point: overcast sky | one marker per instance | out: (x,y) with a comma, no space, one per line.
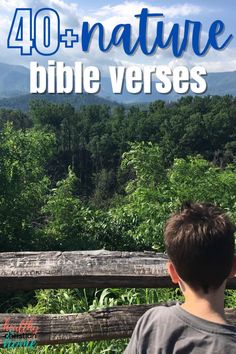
(112,12)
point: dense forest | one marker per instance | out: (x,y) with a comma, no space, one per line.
(108,177)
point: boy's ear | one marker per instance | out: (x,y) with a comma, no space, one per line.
(233,271)
(172,271)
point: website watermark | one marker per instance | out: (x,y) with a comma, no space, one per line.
(22,335)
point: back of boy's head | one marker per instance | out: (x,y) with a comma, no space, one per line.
(199,241)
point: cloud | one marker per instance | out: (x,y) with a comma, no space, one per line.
(72,16)
(220,61)
(134,7)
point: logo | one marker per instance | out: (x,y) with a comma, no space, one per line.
(22,335)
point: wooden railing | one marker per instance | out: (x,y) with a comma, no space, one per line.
(85,269)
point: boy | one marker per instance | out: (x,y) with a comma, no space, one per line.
(199,241)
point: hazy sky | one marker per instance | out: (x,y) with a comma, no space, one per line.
(112,12)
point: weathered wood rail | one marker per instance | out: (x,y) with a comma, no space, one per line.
(84,269)
(110,323)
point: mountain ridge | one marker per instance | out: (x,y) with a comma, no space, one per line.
(15,79)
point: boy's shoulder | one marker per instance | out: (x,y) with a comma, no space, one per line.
(157,321)
(162,310)
(159,312)
(172,328)
(173,315)
(161,317)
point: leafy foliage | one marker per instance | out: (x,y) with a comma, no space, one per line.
(156,192)
(24,185)
(70,224)
(105,177)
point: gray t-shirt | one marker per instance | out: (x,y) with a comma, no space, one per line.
(172,330)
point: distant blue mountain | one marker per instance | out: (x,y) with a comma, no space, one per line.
(14,91)
(77,101)
(218,84)
(14,82)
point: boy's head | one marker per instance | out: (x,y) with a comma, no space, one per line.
(199,241)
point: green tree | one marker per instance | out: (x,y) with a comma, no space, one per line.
(23,186)
(155,192)
(70,224)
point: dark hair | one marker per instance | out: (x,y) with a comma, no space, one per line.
(199,241)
